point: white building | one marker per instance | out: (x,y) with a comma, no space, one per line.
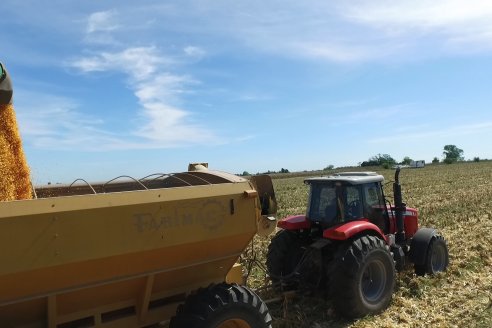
(417,164)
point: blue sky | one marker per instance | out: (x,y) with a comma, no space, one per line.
(106,88)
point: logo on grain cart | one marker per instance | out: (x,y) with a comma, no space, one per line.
(210,215)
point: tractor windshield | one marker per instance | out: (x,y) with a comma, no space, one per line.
(334,202)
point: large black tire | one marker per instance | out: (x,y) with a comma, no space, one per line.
(436,259)
(222,306)
(363,277)
(284,253)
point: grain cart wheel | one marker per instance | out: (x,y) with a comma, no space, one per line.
(363,277)
(284,253)
(437,257)
(222,306)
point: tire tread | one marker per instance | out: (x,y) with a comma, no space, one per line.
(206,304)
(348,262)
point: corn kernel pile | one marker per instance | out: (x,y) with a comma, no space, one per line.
(14,172)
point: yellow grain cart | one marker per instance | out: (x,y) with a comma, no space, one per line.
(128,252)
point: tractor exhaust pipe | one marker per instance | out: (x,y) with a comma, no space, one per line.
(400,208)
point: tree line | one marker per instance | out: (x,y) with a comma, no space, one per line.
(282,170)
(451,154)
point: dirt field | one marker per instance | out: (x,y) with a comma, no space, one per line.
(456,199)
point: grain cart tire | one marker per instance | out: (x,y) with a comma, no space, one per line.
(363,277)
(284,253)
(437,257)
(222,306)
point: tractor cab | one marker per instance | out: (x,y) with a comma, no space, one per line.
(345,197)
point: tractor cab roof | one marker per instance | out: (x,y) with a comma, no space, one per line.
(354,178)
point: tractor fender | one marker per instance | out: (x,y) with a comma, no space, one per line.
(420,243)
(294,222)
(350,229)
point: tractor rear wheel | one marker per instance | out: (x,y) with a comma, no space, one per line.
(222,306)
(437,257)
(363,277)
(284,253)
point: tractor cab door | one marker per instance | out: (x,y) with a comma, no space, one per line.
(334,203)
(354,202)
(337,202)
(374,205)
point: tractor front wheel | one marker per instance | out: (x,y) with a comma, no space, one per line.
(363,277)
(437,257)
(222,306)
(284,253)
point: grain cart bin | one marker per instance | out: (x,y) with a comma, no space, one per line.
(128,252)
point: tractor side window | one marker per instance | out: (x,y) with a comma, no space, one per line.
(328,205)
(374,205)
(323,206)
(354,204)
(372,195)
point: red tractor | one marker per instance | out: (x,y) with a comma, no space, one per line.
(350,242)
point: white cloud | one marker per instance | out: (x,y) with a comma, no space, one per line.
(56,122)
(331,52)
(448,22)
(139,63)
(101,26)
(165,125)
(422,14)
(158,92)
(451,131)
(194,52)
(102,21)
(162,87)
(344,32)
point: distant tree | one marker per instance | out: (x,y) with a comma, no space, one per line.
(476,159)
(384,160)
(329,168)
(406,160)
(245,174)
(386,165)
(435,160)
(284,170)
(452,154)
(369,163)
(448,161)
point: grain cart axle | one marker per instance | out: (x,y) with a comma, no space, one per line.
(351,241)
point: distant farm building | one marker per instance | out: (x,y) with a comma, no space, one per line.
(417,164)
